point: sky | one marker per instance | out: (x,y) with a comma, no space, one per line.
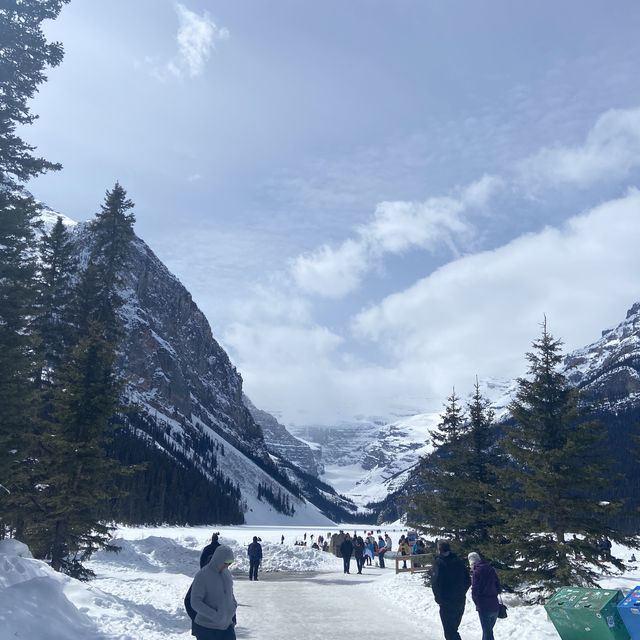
(372,202)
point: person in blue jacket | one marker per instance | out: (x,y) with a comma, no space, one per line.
(255,556)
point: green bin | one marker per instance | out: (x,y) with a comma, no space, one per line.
(578,613)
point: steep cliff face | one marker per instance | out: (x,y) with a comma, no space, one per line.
(188,393)
(172,361)
(282,443)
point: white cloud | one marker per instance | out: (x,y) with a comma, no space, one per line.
(611,150)
(479,314)
(196,39)
(331,272)
(394,228)
(476,315)
(398,226)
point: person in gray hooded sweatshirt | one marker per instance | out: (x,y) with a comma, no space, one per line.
(213,600)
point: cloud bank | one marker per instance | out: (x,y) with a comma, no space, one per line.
(477,314)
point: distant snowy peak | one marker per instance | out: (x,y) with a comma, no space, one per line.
(609,369)
(49,217)
(282,443)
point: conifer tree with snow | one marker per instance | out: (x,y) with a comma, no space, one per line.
(552,505)
(436,511)
(80,476)
(459,476)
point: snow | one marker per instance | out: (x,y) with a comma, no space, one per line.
(301,593)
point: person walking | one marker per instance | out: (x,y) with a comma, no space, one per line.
(358,553)
(450,582)
(212,598)
(346,549)
(485,587)
(382,549)
(255,556)
(209,550)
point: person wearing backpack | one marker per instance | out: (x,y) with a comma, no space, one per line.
(485,587)
(450,582)
(209,550)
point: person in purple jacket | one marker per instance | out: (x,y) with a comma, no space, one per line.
(485,587)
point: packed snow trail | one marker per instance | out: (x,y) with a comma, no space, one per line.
(321,607)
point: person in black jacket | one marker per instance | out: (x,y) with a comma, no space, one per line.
(450,582)
(346,549)
(358,552)
(255,557)
(209,550)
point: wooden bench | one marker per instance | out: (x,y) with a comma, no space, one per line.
(423,561)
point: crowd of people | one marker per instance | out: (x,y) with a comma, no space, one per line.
(211,604)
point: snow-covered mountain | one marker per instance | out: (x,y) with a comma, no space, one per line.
(609,369)
(188,390)
(282,443)
(368,461)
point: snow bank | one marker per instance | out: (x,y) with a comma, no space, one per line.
(155,554)
(33,600)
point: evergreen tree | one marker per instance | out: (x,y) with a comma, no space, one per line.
(79,476)
(438,508)
(553,509)
(459,476)
(18,358)
(25,55)
(479,493)
(451,426)
(53,322)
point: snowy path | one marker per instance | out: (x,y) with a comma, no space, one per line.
(333,606)
(280,605)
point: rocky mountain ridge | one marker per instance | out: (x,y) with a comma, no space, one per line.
(187,393)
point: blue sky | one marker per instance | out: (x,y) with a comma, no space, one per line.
(371,201)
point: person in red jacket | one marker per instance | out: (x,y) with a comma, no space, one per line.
(485,587)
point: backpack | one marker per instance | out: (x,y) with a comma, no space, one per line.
(191,612)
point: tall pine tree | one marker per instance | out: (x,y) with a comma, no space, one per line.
(53,319)
(24,55)
(552,508)
(437,509)
(81,477)
(459,476)
(19,365)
